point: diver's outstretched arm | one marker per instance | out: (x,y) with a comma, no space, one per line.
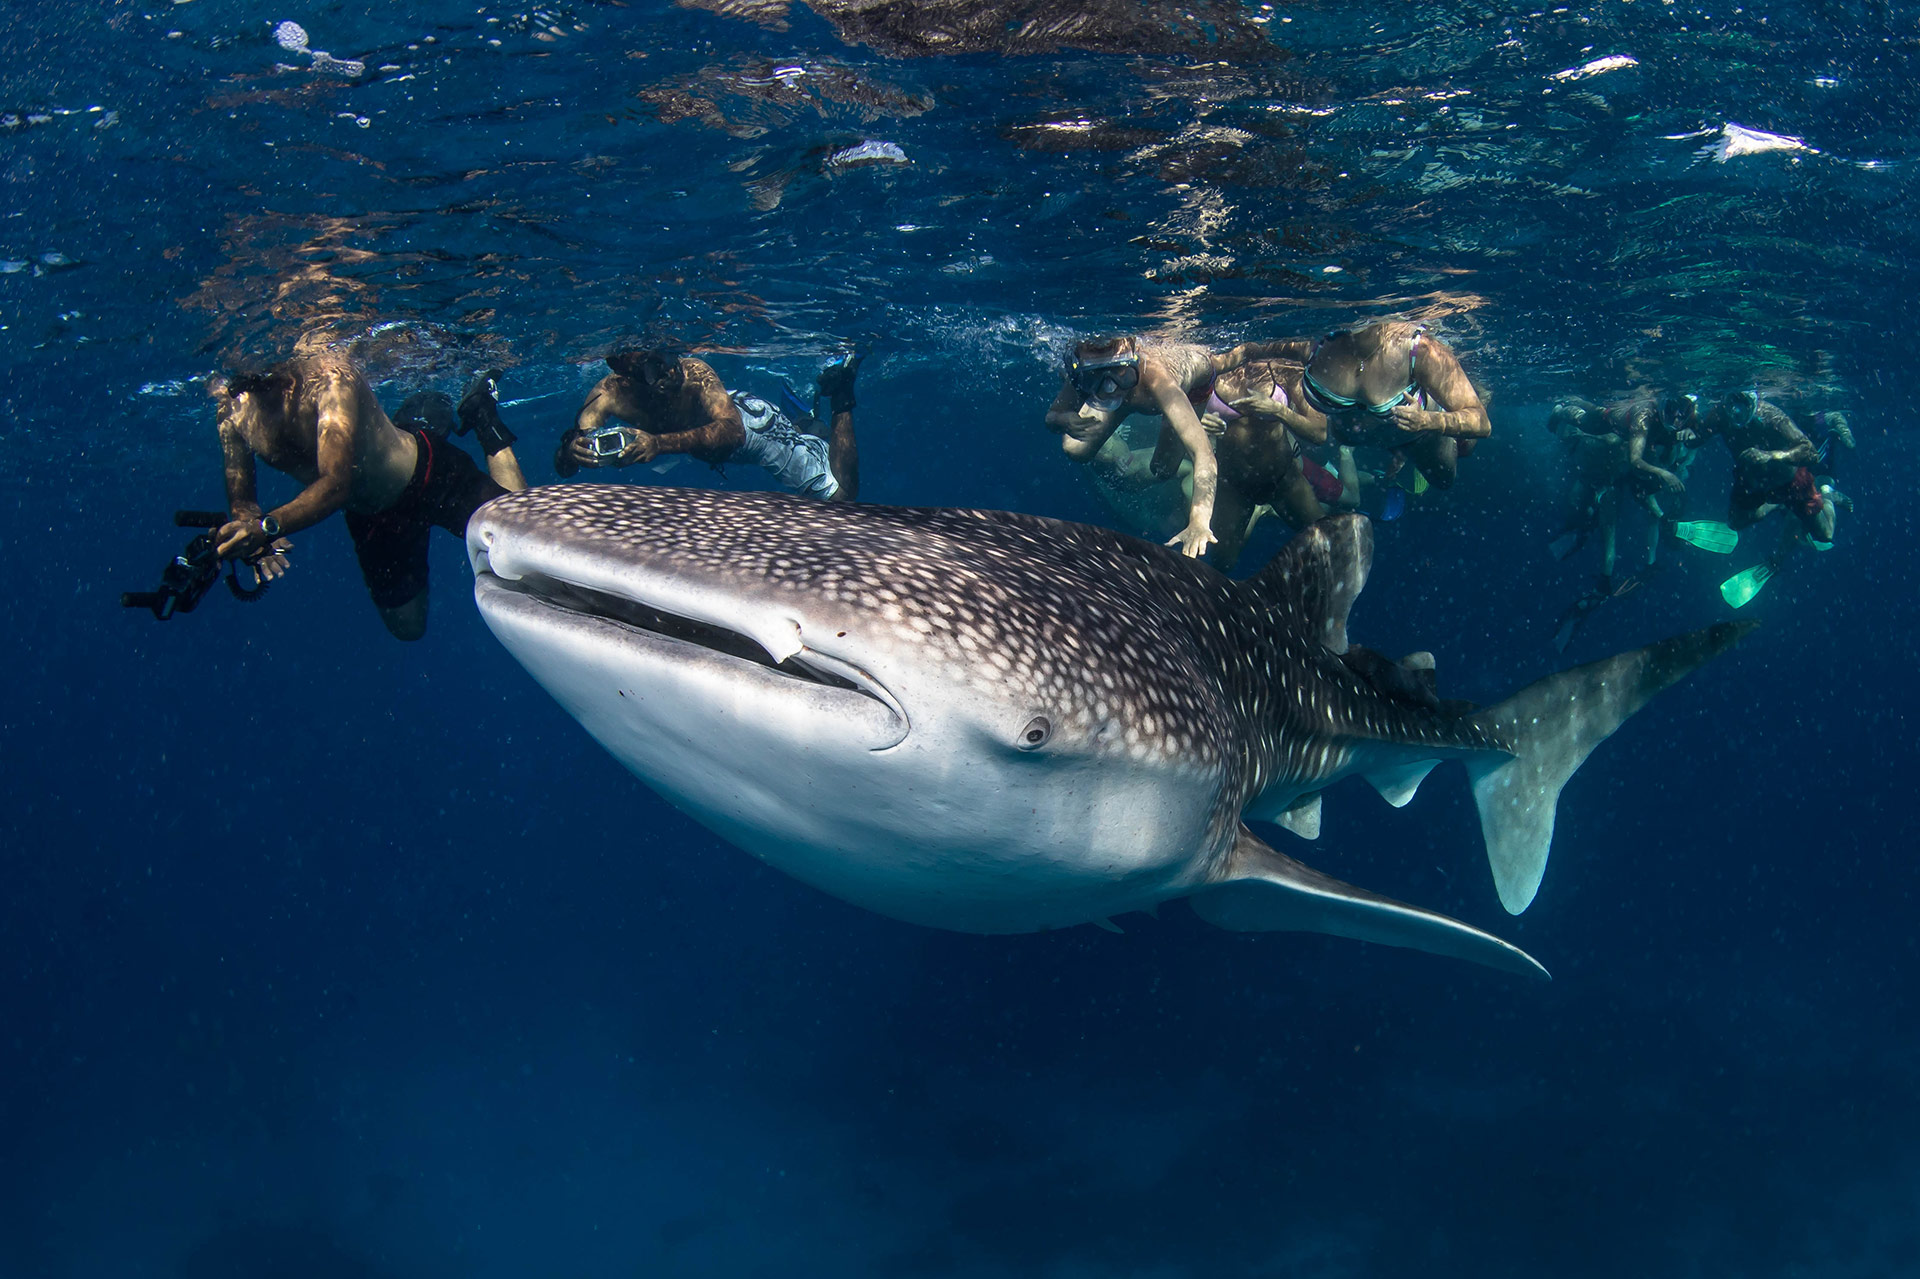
(1185,423)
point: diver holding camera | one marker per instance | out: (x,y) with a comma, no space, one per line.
(654,402)
(185,581)
(316,419)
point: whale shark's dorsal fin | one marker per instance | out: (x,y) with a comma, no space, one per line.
(1551,727)
(1315,578)
(1256,889)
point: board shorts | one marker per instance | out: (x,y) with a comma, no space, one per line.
(797,460)
(445,491)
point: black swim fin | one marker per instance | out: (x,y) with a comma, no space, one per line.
(835,383)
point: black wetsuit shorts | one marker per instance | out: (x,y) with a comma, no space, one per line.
(445,491)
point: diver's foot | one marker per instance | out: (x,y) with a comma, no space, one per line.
(836,381)
(480,413)
(481,395)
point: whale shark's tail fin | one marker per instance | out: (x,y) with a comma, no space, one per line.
(1553,726)
(1256,889)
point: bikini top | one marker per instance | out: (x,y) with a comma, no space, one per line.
(1335,405)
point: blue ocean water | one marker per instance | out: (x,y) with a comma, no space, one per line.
(325,956)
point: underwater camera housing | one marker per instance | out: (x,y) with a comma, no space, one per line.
(609,441)
(186,581)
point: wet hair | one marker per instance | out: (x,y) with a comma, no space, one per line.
(429,411)
(1104,344)
(277,386)
(656,369)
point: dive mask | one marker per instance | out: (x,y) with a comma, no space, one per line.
(1105,381)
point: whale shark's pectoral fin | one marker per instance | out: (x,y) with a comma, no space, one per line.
(1259,890)
(1551,727)
(1302,817)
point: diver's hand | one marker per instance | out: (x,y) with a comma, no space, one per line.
(241,539)
(1257,405)
(1409,418)
(1670,483)
(1837,425)
(1193,540)
(273,564)
(580,449)
(645,447)
(1213,424)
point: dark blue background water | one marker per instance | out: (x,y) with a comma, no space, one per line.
(321,955)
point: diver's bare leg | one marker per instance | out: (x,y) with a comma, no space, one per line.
(504,467)
(1349,480)
(407,621)
(1438,457)
(1232,521)
(1296,502)
(1609,531)
(843,458)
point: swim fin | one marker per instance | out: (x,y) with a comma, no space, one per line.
(797,410)
(1708,535)
(1567,543)
(1740,589)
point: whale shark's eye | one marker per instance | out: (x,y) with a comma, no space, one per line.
(1036,733)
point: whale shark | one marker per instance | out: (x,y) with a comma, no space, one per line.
(1000,723)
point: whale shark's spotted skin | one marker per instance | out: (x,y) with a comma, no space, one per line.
(1239,684)
(1001,723)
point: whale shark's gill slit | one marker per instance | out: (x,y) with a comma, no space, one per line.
(688,630)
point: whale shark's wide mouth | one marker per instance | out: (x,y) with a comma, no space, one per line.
(806,666)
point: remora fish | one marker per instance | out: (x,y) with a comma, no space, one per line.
(1000,723)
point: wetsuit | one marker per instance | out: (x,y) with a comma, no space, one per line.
(445,491)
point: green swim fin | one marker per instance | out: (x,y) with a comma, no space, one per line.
(1740,589)
(1708,535)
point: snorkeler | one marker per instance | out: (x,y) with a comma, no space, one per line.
(1260,457)
(1607,449)
(1108,379)
(1391,384)
(1260,439)
(1773,464)
(316,419)
(655,403)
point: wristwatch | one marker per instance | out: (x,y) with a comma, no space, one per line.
(269,526)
